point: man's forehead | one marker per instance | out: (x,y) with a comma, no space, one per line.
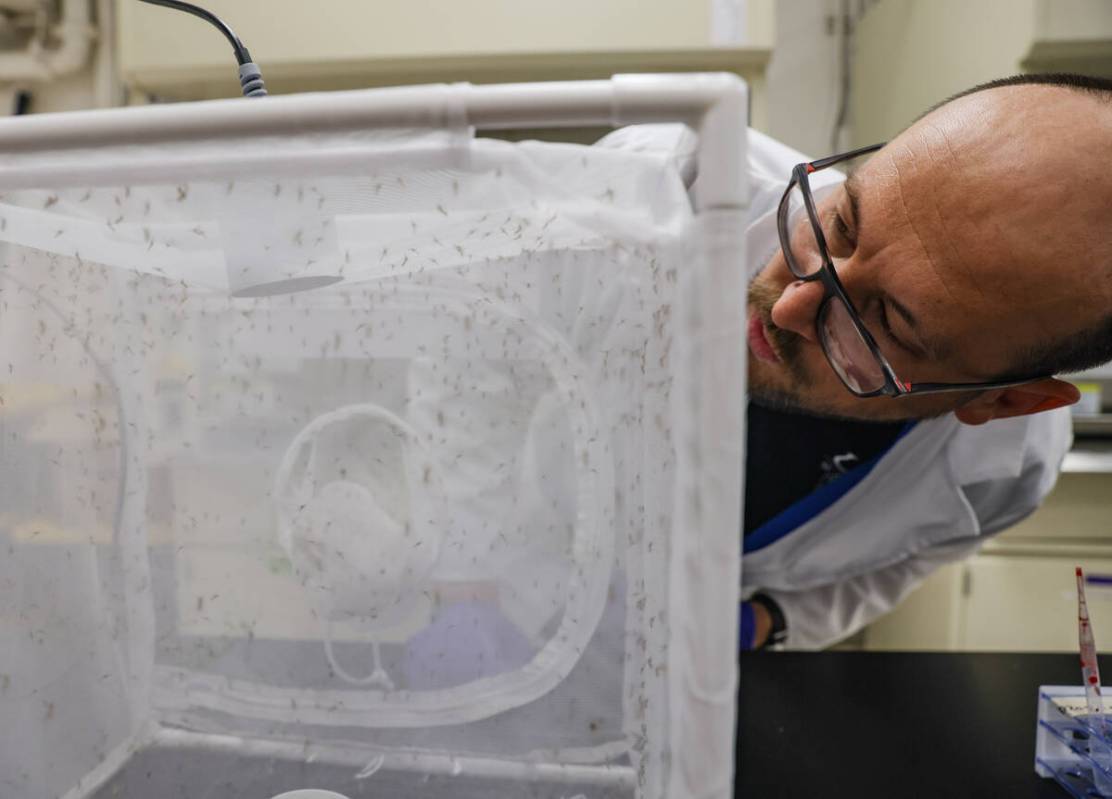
(984,174)
(1043,131)
(966,241)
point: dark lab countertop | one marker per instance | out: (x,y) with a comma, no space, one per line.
(893,725)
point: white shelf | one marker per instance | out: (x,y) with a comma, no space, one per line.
(1097,373)
(1097,424)
(1089,457)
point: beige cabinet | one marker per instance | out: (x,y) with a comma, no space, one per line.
(928,620)
(1019,593)
(1030,604)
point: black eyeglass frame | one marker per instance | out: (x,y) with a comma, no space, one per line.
(893,386)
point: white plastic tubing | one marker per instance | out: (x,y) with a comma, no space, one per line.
(622,778)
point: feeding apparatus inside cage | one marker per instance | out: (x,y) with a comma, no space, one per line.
(276,241)
(362,551)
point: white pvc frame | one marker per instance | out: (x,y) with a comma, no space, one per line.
(713,104)
(706,557)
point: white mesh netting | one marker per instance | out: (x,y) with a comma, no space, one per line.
(406,533)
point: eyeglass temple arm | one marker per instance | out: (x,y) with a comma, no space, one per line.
(830,160)
(938,388)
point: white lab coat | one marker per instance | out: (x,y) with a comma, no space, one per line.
(932,499)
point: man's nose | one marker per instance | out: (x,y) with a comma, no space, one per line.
(798,307)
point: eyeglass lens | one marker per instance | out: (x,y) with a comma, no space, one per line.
(802,252)
(846,350)
(849,355)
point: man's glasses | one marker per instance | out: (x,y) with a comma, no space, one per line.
(850,348)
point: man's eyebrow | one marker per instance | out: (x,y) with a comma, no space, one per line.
(852,188)
(907,315)
(934,348)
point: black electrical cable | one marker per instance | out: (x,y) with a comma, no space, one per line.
(242,56)
(250,77)
(22,103)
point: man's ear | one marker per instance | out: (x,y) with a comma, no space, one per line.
(1002,403)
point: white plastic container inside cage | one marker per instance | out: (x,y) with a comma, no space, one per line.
(343,450)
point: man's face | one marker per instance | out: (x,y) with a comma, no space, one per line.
(963,245)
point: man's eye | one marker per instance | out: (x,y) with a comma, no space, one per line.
(886,326)
(842,242)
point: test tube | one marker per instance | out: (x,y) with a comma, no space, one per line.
(1099,747)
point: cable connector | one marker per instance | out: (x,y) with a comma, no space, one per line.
(251,80)
(250,76)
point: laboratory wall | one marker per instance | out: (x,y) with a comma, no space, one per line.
(910,54)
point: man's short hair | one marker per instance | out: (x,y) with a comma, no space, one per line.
(1089,84)
(1092,347)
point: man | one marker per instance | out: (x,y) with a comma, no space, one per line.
(974,248)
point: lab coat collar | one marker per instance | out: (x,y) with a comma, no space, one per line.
(904,505)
